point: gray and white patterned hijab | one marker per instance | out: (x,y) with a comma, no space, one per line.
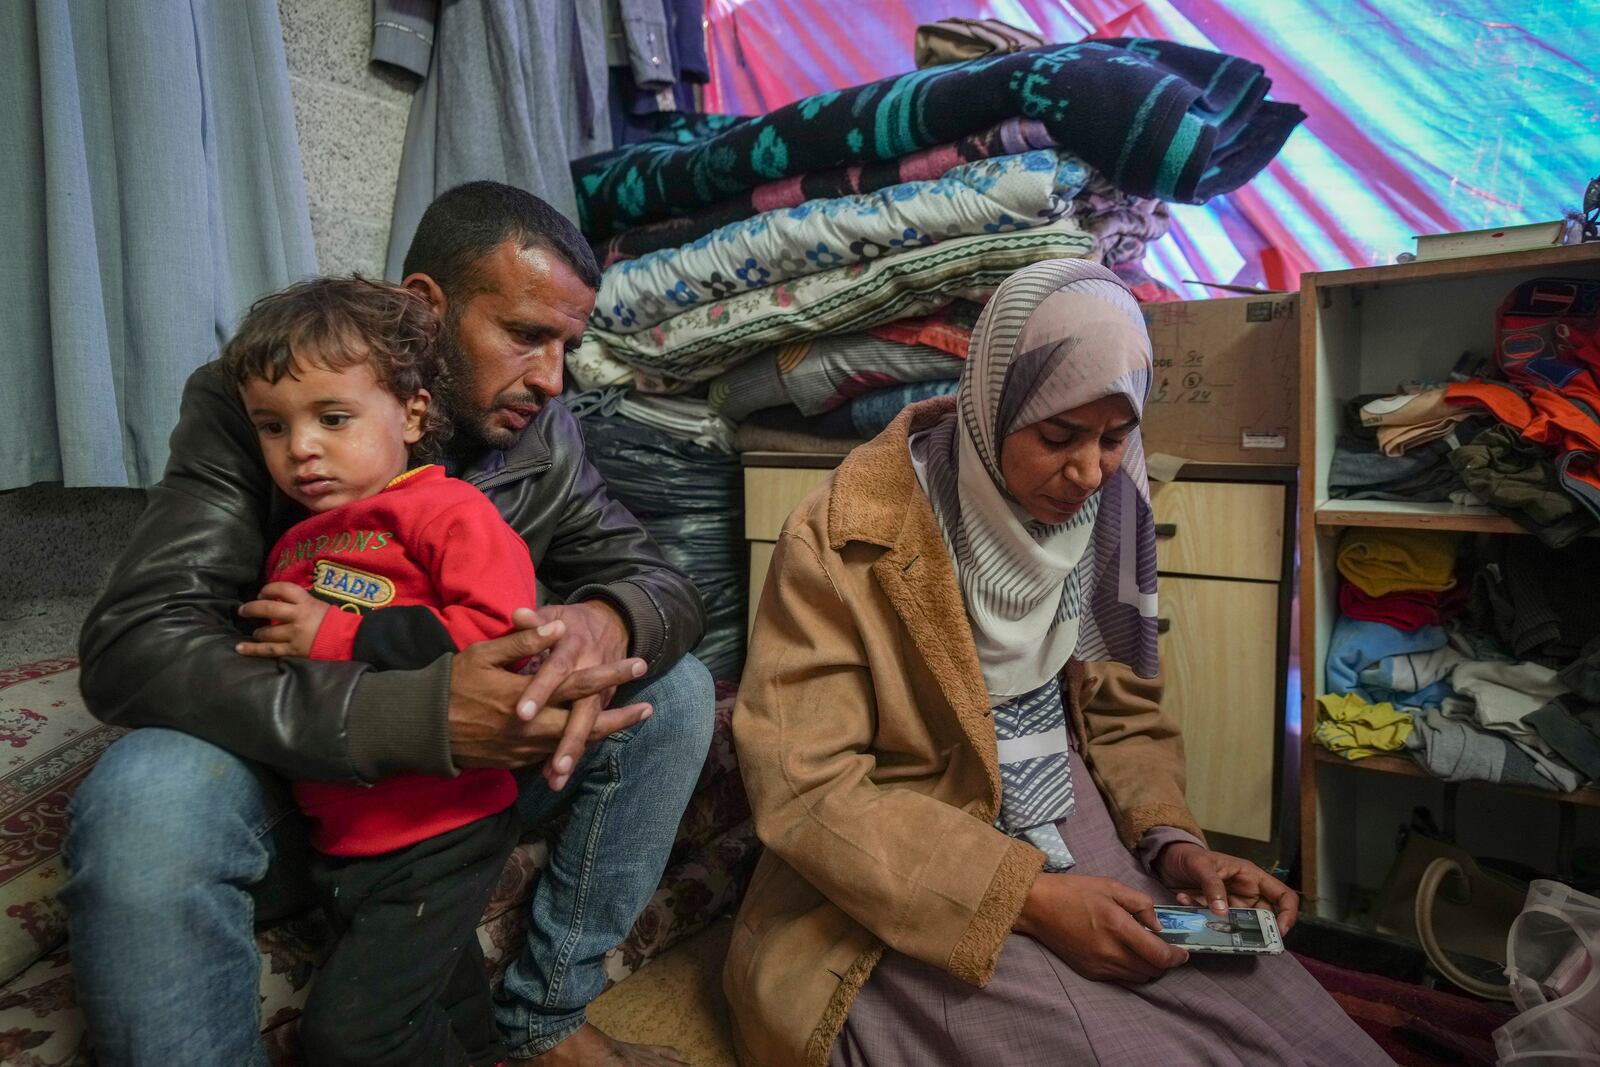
(1057,335)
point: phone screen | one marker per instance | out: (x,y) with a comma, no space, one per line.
(1204,928)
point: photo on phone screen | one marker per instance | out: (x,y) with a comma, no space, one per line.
(1244,929)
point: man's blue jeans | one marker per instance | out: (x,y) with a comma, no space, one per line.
(177,848)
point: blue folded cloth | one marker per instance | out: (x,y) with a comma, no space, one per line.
(1357,645)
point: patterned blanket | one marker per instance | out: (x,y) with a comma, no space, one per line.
(1158,118)
(1011,137)
(989,196)
(701,342)
(821,374)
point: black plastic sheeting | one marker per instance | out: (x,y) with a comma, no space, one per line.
(691,499)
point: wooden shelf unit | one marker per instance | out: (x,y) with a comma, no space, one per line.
(1395,514)
(1366,331)
(1588,796)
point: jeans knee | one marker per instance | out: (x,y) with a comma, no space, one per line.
(685,703)
(161,812)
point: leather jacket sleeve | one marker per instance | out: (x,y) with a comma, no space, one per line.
(158,647)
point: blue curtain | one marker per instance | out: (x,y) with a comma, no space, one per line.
(152,189)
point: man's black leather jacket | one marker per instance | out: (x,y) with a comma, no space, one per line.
(158,648)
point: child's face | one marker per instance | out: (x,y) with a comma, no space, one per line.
(331,437)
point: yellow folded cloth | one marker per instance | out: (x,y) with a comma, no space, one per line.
(1379,562)
(1354,729)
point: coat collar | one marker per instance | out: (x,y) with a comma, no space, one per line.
(876,493)
(877,500)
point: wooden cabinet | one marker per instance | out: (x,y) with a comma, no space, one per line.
(1222,529)
(1219,658)
(771,491)
(1366,331)
(1225,592)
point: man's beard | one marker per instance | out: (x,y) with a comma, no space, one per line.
(472,435)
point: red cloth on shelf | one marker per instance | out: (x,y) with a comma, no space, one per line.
(1409,610)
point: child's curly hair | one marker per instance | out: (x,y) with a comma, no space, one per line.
(337,323)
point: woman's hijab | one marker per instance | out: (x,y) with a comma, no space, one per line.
(1056,335)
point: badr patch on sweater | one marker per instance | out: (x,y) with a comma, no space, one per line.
(350,588)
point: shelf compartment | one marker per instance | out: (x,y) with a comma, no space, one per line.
(1404,514)
(1588,796)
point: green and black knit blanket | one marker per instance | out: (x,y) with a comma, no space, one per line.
(1160,119)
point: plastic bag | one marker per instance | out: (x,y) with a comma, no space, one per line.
(1553,962)
(691,500)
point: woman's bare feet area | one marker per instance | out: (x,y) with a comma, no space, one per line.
(589,1047)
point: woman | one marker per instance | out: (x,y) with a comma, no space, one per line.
(950,733)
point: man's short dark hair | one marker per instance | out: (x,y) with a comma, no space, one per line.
(465,224)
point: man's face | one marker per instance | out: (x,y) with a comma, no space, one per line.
(512,339)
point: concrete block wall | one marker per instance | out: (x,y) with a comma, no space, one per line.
(60,544)
(351,118)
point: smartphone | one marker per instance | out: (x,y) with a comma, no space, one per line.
(1246,931)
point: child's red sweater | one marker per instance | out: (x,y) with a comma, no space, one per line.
(426,542)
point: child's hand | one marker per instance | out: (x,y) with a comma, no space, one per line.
(293,618)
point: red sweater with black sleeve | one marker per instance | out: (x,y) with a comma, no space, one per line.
(425,567)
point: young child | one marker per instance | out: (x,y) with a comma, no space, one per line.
(396,565)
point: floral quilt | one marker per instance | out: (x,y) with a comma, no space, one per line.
(702,341)
(1007,193)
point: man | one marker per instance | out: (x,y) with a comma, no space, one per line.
(184,834)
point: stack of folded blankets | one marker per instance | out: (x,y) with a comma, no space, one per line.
(1483,669)
(826,262)
(1522,436)
(753,262)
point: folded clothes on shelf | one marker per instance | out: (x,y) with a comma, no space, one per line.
(1406,609)
(1540,601)
(1496,697)
(1520,479)
(1358,470)
(1408,420)
(1355,729)
(1416,673)
(1356,646)
(1570,727)
(1380,561)
(1459,750)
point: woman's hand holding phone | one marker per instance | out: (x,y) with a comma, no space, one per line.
(1102,928)
(1202,878)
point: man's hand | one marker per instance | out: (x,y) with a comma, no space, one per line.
(1099,926)
(293,618)
(486,727)
(1201,877)
(594,634)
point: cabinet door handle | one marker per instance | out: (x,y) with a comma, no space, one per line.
(1163,625)
(1166,529)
